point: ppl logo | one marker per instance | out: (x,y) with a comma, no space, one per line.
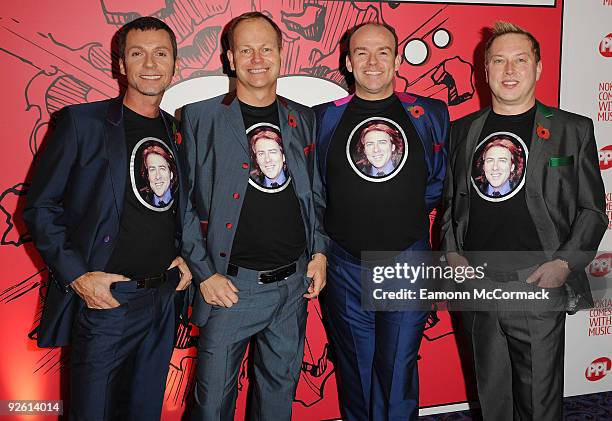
(605,157)
(605,46)
(598,369)
(600,266)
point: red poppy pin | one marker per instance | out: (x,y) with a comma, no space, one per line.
(416,111)
(177,135)
(542,132)
(292,120)
(309,148)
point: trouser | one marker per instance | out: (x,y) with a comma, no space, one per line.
(376,351)
(120,356)
(272,317)
(518,356)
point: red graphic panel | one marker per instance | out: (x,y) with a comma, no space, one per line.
(56,54)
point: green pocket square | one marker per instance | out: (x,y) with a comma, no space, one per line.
(561,161)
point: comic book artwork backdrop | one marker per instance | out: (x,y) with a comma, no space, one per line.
(54,54)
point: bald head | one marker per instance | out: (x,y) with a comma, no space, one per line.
(378,27)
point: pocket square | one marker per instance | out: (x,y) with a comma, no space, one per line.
(561,161)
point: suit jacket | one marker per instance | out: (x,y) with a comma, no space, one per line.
(430,119)
(216,163)
(75,202)
(564,191)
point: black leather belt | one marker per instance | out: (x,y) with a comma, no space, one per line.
(171,275)
(267,276)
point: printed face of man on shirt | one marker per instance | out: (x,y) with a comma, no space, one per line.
(269,157)
(498,165)
(159,174)
(378,148)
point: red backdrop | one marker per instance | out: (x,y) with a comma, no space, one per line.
(58,53)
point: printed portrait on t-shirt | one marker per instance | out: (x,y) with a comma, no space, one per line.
(153,174)
(268,165)
(377,149)
(498,166)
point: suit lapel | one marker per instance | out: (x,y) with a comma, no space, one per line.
(171,130)
(283,118)
(234,120)
(331,118)
(414,110)
(543,121)
(114,139)
(471,140)
(294,139)
(289,142)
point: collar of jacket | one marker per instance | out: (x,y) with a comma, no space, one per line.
(231,96)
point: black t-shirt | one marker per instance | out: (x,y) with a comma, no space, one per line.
(376,179)
(499,219)
(146,242)
(271,230)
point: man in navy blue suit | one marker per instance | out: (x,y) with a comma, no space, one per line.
(115,281)
(402,136)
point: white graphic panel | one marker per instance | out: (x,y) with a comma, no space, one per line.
(586,88)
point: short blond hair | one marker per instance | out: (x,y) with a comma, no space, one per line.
(503,28)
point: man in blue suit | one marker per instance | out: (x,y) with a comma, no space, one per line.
(262,256)
(376,351)
(112,256)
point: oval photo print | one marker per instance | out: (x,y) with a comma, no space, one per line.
(377,149)
(153,174)
(268,165)
(498,166)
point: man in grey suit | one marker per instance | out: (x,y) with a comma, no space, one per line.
(262,256)
(554,217)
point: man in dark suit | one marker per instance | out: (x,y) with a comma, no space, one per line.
(547,232)
(262,255)
(103,242)
(376,351)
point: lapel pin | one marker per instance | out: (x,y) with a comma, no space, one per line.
(416,111)
(542,132)
(177,135)
(292,120)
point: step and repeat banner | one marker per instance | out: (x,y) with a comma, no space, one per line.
(586,88)
(54,54)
